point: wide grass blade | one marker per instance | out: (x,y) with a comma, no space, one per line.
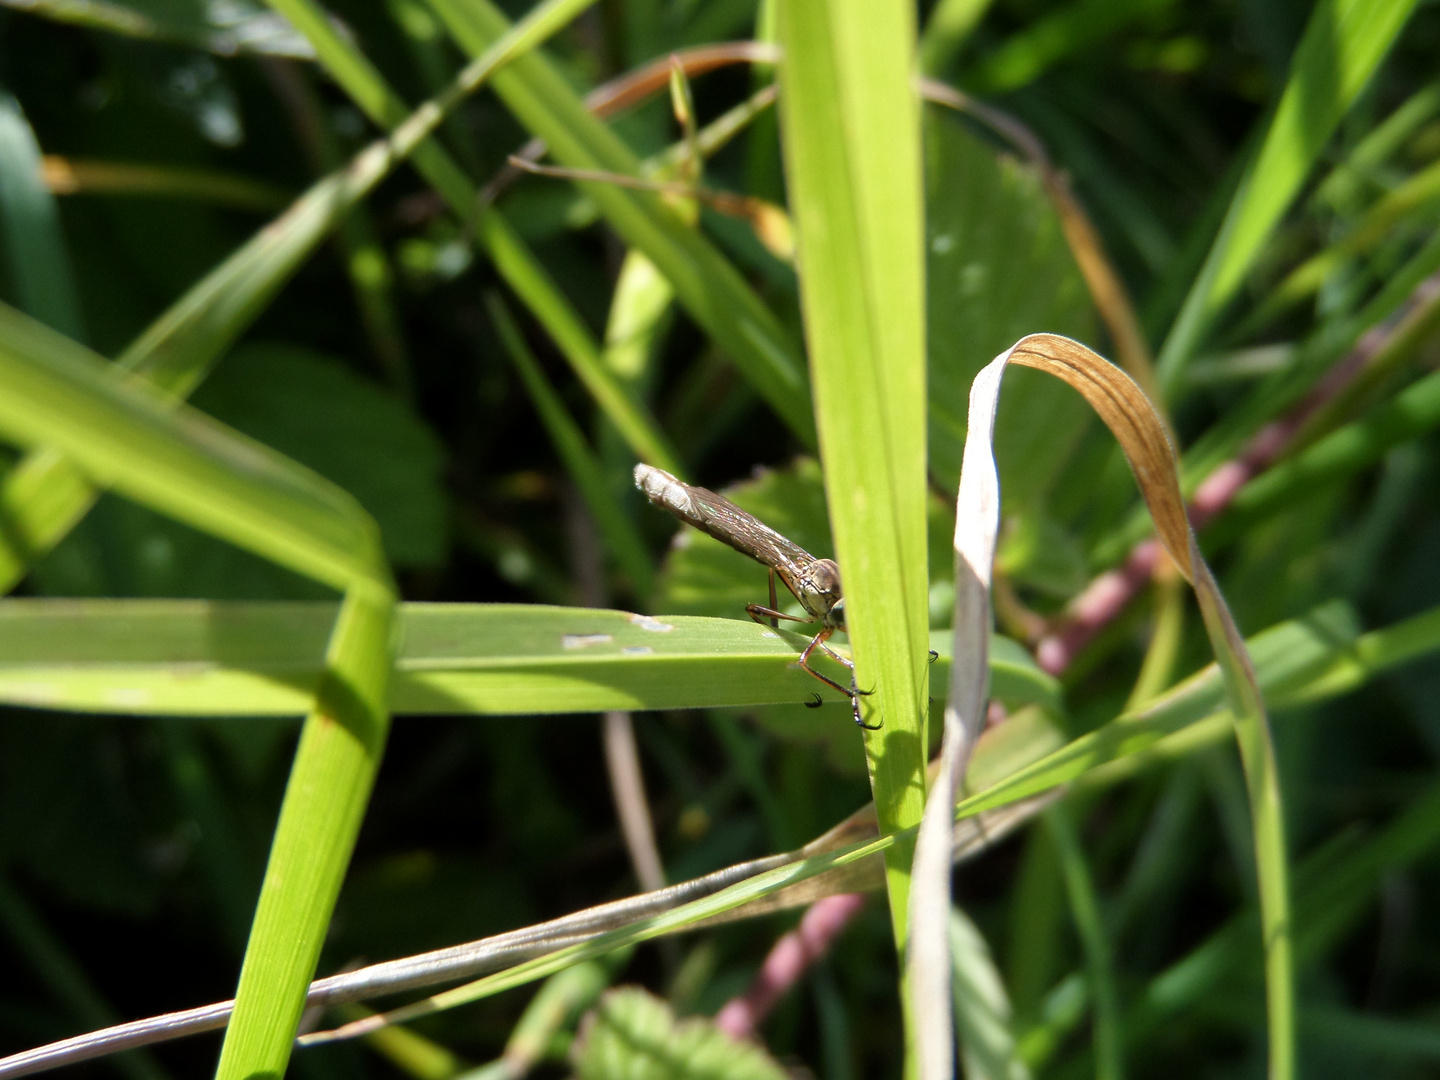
(202,658)
(850,124)
(850,132)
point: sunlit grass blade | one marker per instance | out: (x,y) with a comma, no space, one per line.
(325,799)
(125,435)
(201,658)
(850,133)
(1343,44)
(705,283)
(856,201)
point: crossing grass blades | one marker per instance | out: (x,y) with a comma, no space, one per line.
(814,582)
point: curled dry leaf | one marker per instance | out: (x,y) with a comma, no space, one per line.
(1142,435)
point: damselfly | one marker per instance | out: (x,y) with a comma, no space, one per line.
(814,582)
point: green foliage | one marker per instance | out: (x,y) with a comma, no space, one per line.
(201,535)
(634,1035)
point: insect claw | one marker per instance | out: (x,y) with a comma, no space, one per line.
(861,722)
(857,690)
(933,656)
(815,702)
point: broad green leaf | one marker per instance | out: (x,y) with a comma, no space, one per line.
(633,1035)
(315,409)
(195,658)
(997,268)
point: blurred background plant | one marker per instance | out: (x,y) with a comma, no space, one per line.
(479,356)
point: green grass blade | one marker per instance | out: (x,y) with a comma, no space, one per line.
(325,799)
(1344,43)
(30,228)
(203,658)
(850,132)
(950,23)
(708,286)
(125,435)
(1065,31)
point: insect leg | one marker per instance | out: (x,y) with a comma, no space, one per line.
(774,601)
(762,615)
(853,692)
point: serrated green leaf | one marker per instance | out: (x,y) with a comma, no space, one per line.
(633,1035)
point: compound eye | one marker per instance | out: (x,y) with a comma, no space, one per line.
(825,577)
